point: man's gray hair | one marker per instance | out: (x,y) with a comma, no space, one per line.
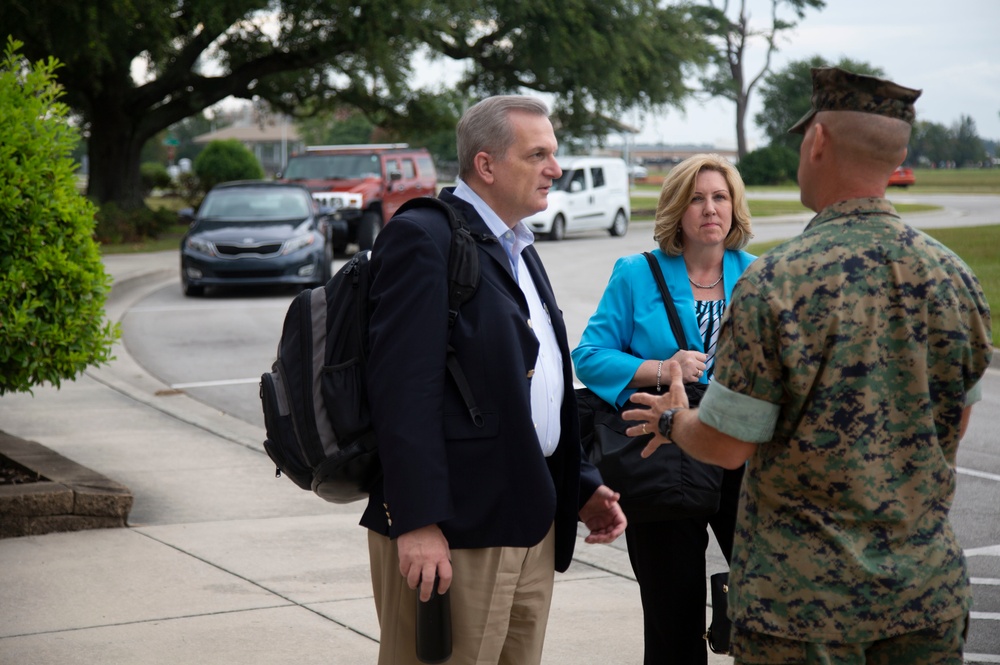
(485,127)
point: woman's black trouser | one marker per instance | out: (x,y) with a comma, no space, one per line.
(668,559)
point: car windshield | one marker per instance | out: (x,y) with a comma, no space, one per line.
(333,167)
(255,205)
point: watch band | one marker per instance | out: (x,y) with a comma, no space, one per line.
(666,424)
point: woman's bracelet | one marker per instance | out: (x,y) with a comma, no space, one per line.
(659,371)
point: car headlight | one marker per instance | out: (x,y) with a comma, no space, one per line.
(299,242)
(200,246)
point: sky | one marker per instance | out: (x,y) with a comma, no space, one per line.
(948,48)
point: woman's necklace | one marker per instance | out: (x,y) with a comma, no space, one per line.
(708,286)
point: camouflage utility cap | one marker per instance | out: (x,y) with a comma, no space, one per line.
(835,89)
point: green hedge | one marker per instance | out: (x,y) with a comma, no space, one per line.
(54,287)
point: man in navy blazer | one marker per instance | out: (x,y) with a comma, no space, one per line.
(489,509)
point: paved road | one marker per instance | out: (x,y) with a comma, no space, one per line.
(215,349)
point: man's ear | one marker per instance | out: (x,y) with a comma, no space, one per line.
(482,164)
(821,139)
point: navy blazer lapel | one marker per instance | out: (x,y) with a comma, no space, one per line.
(544,288)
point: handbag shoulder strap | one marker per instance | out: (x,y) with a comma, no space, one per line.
(668,302)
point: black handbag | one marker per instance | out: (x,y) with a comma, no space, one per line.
(668,485)
(718,631)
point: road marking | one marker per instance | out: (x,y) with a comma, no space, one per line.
(989,550)
(981,658)
(988,616)
(985,581)
(212,384)
(978,474)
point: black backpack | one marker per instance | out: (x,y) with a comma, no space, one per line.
(315,398)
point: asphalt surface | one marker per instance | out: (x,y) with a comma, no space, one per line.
(220,564)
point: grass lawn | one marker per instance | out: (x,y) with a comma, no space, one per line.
(643,207)
(978,246)
(170,239)
(956,181)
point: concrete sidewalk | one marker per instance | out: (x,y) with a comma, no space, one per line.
(220,564)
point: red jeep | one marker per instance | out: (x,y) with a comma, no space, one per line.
(362,184)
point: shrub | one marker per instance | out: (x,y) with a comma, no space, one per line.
(54,287)
(222,161)
(773,165)
(116,226)
(189,189)
(153,175)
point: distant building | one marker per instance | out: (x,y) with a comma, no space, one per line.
(270,144)
(665,154)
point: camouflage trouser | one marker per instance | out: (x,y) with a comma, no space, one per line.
(941,644)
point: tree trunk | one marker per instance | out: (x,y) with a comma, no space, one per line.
(741,131)
(115,148)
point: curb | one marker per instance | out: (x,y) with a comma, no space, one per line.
(67,496)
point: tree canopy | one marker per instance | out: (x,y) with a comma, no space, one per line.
(596,57)
(786,94)
(933,144)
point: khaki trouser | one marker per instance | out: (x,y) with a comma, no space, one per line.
(500,599)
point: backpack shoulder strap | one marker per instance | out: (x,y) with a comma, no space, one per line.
(668,302)
(463,258)
(463,280)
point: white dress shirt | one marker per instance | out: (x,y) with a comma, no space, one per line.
(547,389)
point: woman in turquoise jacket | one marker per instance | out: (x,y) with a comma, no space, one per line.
(702,225)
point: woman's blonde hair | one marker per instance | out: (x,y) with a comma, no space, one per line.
(675,197)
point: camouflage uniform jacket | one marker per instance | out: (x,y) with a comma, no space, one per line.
(848,354)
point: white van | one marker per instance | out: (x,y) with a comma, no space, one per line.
(593,193)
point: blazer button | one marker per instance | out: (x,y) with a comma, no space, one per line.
(529,324)
(531,372)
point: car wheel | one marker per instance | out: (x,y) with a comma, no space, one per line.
(558,230)
(368,228)
(620,224)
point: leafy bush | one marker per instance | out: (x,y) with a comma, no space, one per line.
(222,161)
(154,175)
(116,226)
(773,165)
(53,290)
(189,188)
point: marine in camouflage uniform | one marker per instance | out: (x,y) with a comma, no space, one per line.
(845,370)
(862,340)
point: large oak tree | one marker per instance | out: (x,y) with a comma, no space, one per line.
(734,33)
(598,57)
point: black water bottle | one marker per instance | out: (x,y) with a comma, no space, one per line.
(434,627)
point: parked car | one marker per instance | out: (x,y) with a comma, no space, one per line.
(592,193)
(254,233)
(364,184)
(638,171)
(902,177)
